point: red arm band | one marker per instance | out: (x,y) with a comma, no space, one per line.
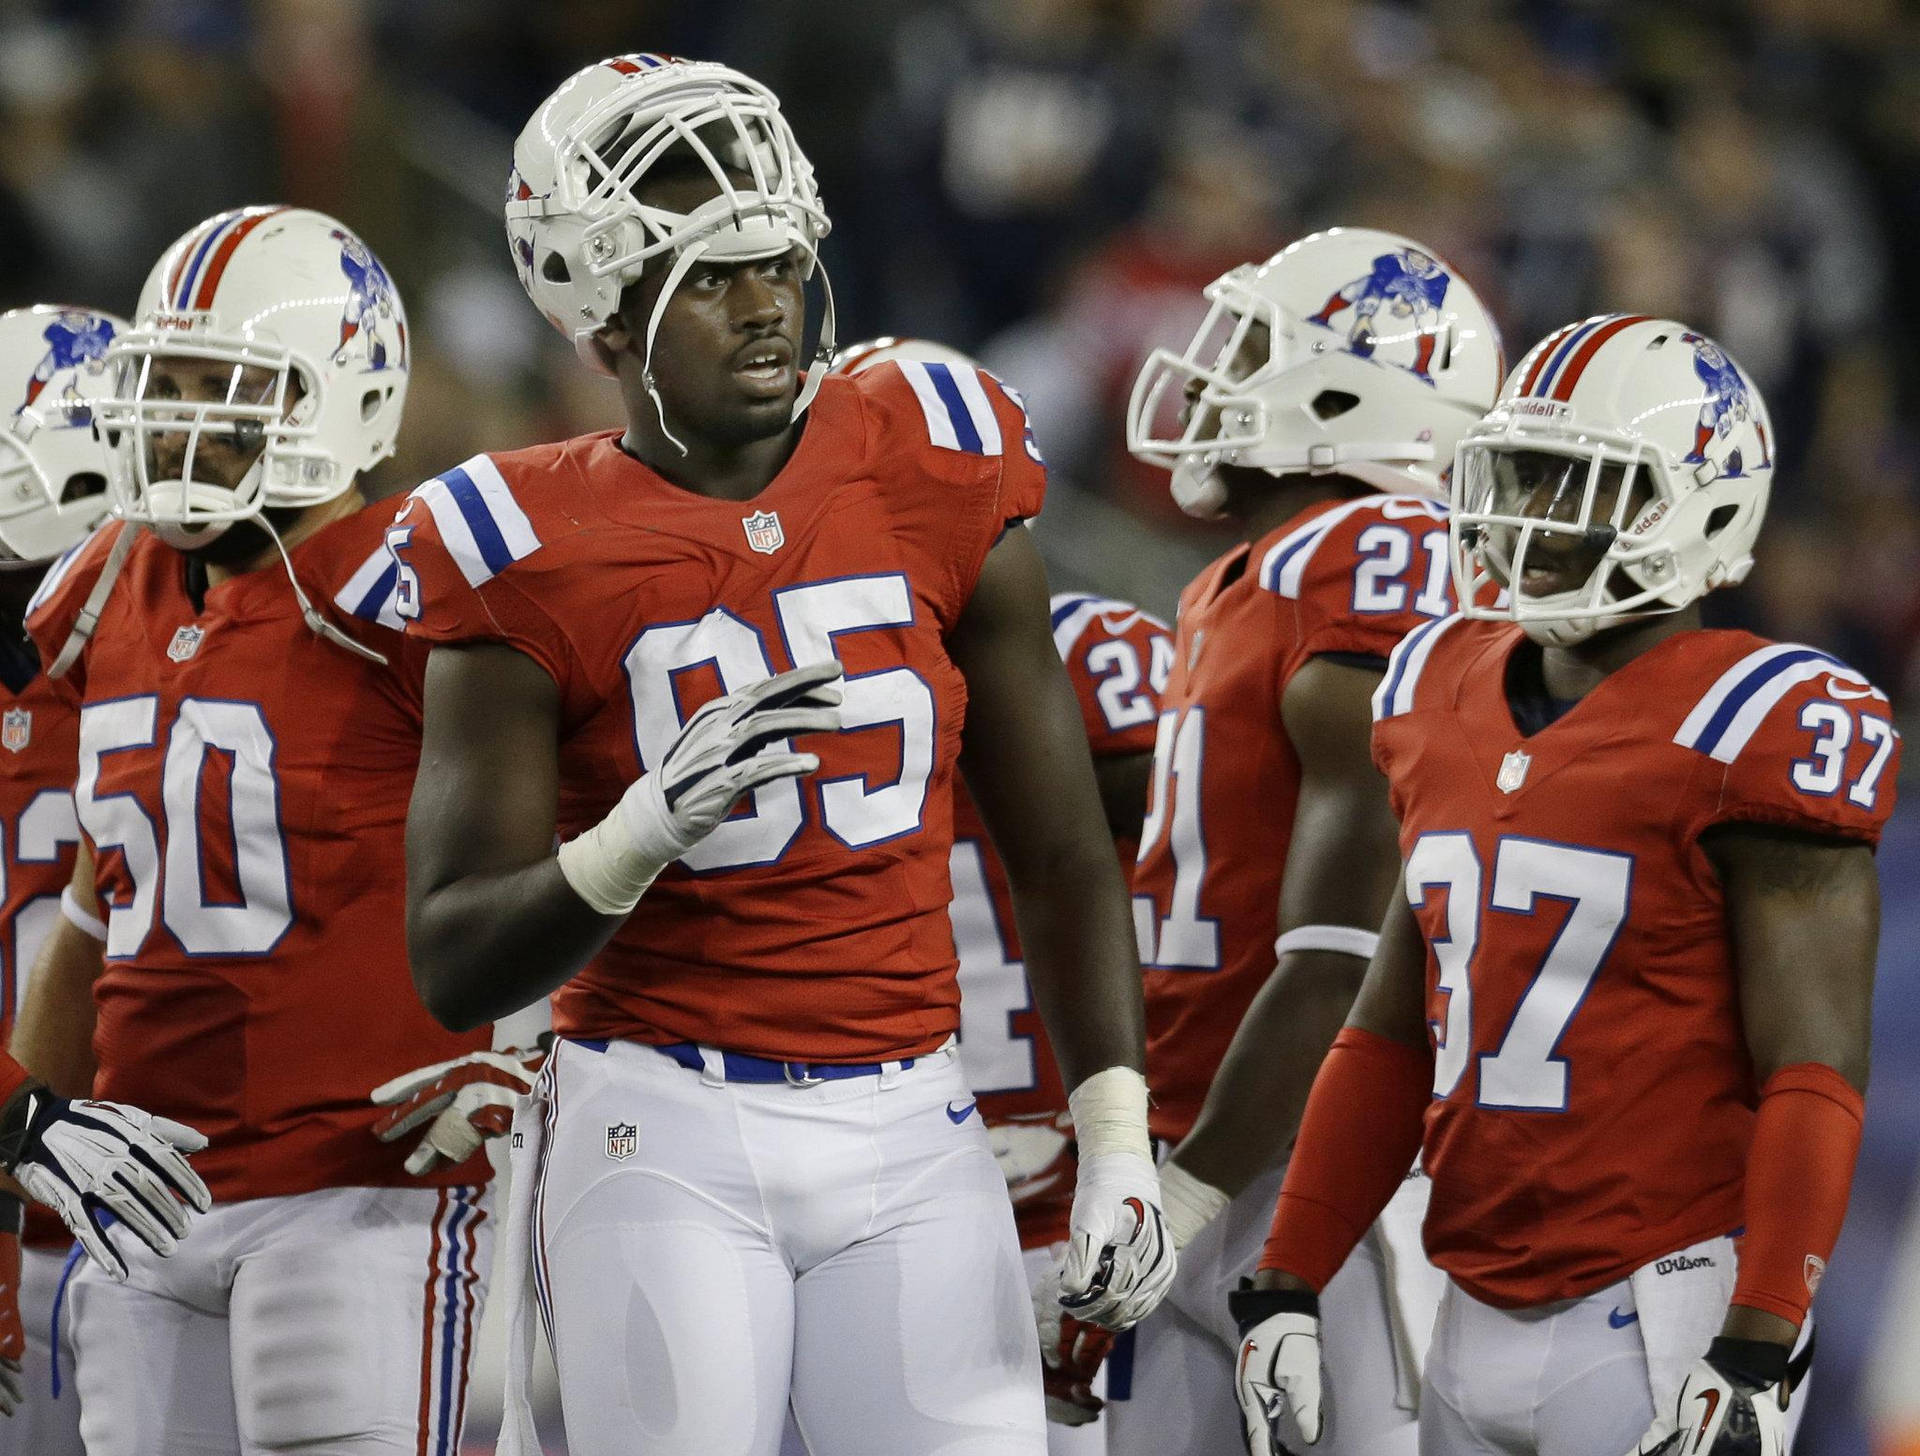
(1799,1171)
(1360,1134)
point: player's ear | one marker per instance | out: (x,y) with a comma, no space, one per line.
(623,330)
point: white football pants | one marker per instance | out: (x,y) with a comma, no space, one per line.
(707,1251)
(1179,1398)
(1580,1376)
(337,1321)
(46,1425)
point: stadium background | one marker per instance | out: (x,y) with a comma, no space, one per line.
(1048,183)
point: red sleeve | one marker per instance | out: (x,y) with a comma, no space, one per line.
(457,541)
(1799,1172)
(1023,473)
(1118,658)
(1362,574)
(56,606)
(1795,738)
(1359,1136)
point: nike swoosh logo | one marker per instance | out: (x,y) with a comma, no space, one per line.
(957,1113)
(1620,1320)
(1838,689)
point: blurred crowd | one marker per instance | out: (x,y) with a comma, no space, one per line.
(1048,183)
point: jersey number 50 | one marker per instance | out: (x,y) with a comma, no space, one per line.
(812,617)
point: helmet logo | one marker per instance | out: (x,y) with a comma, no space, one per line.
(1411,285)
(1728,403)
(76,340)
(371,309)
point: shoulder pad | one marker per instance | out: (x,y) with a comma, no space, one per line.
(479,522)
(1283,568)
(1729,713)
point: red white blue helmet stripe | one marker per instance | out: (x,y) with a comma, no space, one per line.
(197,275)
(1564,357)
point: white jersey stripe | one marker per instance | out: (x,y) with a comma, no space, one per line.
(985,422)
(515,529)
(455,534)
(1284,568)
(1724,721)
(1394,696)
(939,424)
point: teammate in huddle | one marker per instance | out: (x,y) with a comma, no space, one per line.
(52,492)
(247,737)
(1268,850)
(1639,862)
(757,1147)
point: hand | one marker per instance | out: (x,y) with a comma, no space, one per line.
(725,751)
(13,1337)
(84,1159)
(1071,1353)
(1277,1378)
(1730,1405)
(469,1100)
(1120,1261)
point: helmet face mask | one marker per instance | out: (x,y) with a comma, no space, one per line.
(53,377)
(1351,352)
(1623,473)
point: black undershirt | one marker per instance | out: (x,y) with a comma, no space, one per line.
(1532,705)
(19,663)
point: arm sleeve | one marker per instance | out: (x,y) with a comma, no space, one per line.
(1805,1140)
(1360,1135)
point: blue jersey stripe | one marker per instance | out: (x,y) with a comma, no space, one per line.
(1402,655)
(963,429)
(1277,562)
(369,606)
(1068,606)
(486,534)
(1737,698)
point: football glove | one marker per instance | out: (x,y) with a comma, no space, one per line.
(1732,1404)
(463,1102)
(13,1337)
(727,749)
(1120,1260)
(1071,1352)
(87,1159)
(1277,1378)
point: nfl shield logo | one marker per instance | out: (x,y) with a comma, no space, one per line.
(185,643)
(763,532)
(1513,770)
(622,1141)
(16,729)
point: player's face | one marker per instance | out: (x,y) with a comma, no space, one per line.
(226,448)
(1552,488)
(726,355)
(1254,351)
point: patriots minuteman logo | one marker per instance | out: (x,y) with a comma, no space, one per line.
(16,729)
(763,532)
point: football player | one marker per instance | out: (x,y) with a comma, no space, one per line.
(248,731)
(52,492)
(1268,848)
(1621,1004)
(756,1145)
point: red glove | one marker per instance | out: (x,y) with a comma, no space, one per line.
(1071,1352)
(468,1100)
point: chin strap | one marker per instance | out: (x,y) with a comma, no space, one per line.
(318,624)
(96,602)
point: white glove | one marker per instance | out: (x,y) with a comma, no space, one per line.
(1277,1378)
(1727,1407)
(469,1100)
(727,749)
(1120,1259)
(85,1158)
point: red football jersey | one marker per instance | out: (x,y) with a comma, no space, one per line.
(39,736)
(1594,1100)
(1345,576)
(812,925)
(1118,658)
(244,784)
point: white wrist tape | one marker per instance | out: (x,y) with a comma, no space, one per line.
(605,869)
(1188,1204)
(79,917)
(1346,939)
(1109,1112)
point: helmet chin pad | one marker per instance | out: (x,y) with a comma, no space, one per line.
(1198,489)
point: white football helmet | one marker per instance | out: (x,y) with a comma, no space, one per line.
(1626,463)
(890,349)
(1350,352)
(53,467)
(297,329)
(580,235)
